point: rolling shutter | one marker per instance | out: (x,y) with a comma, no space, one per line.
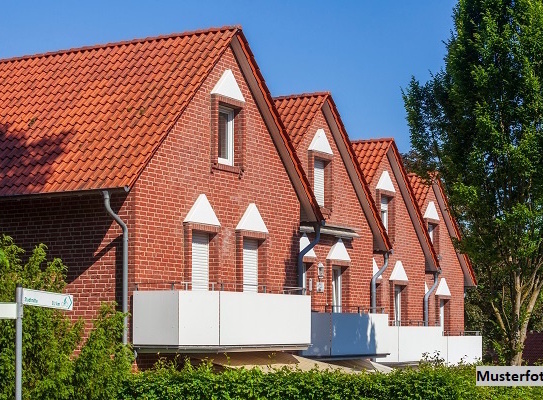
(200,261)
(319,181)
(250,265)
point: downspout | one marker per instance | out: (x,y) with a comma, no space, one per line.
(306,250)
(125,262)
(427,296)
(374,278)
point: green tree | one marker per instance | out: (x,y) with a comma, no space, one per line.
(478,122)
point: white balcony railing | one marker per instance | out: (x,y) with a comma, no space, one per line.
(220,320)
(370,335)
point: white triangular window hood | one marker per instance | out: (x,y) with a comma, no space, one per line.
(398,273)
(227,86)
(304,242)
(385,183)
(443,288)
(376,269)
(338,252)
(252,220)
(320,143)
(201,212)
(431,211)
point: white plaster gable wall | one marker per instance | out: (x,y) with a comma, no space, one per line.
(385,183)
(443,288)
(431,211)
(320,143)
(398,273)
(252,220)
(304,242)
(227,86)
(338,252)
(201,212)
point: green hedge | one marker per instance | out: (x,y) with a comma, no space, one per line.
(426,382)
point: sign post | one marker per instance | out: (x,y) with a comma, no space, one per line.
(37,298)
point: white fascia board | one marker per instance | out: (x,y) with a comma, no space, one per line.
(228,86)
(201,212)
(431,211)
(320,143)
(385,183)
(304,242)
(398,273)
(338,252)
(252,220)
(443,288)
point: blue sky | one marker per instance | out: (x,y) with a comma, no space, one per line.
(363,51)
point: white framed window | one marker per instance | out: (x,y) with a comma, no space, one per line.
(442,314)
(397,305)
(318,181)
(336,289)
(226,136)
(200,261)
(384,211)
(250,265)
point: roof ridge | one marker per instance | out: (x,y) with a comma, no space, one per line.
(234,28)
(305,94)
(385,139)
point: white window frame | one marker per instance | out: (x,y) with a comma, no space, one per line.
(250,272)
(319,179)
(200,241)
(384,211)
(442,314)
(229,160)
(397,305)
(431,229)
(336,289)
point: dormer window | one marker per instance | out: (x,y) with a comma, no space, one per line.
(225,138)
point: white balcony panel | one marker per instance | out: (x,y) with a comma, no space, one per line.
(192,320)
(174,318)
(337,334)
(468,349)
(264,319)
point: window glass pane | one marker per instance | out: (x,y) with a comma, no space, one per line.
(223,135)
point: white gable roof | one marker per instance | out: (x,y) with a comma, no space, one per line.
(227,86)
(304,242)
(376,269)
(338,252)
(398,273)
(443,288)
(201,212)
(252,220)
(385,183)
(320,143)
(431,211)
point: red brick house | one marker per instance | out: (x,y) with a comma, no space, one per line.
(447,303)
(415,277)
(177,138)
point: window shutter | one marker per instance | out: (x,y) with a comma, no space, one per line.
(319,181)
(250,265)
(200,261)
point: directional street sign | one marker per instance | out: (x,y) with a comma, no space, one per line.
(48,299)
(8,310)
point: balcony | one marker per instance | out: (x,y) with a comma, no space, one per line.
(363,335)
(196,321)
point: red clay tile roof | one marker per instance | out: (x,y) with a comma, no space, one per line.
(297,113)
(420,188)
(369,154)
(91,118)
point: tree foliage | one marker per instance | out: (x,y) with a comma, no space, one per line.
(478,122)
(50,370)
